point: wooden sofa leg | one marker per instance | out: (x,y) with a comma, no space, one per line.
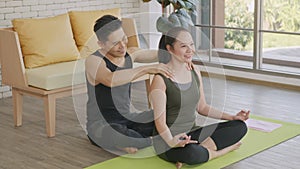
(18,106)
(50,113)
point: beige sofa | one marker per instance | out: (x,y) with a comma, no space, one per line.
(59,76)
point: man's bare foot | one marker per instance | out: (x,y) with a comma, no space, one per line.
(178,165)
(130,150)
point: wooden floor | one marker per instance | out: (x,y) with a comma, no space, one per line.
(28,147)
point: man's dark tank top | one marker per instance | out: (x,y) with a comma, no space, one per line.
(113,103)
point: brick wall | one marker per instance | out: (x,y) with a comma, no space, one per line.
(10,9)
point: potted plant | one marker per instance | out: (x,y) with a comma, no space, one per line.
(181,15)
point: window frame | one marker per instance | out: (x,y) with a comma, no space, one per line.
(257,42)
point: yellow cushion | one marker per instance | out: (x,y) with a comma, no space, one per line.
(83,25)
(46,41)
(57,75)
(90,47)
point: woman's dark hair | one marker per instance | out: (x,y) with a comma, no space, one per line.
(105,25)
(168,39)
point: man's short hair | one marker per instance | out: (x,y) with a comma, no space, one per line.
(105,25)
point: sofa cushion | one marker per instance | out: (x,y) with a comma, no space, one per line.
(83,23)
(90,47)
(58,75)
(46,41)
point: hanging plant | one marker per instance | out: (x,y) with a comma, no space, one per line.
(181,16)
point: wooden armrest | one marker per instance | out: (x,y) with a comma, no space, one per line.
(12,64)
(130,30)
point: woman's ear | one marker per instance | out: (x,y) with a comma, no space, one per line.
(169,48)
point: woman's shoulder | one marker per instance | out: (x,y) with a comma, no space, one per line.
(158,81)
(162,78)
(159,77)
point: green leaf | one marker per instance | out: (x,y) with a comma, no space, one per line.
(184,21)
(194,2)
(174,19)
(188,5)
(163,24)
(182,4)
(184,17)
(194,12)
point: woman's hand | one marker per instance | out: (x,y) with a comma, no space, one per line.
(242,115)
(181,140)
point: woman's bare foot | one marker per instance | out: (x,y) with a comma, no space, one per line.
(130,150)
(214,154)
(230,148)
(209,144)
(233,147)
(178,165)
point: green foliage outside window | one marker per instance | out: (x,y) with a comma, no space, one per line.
(278,15)
(237,15)
(282,15)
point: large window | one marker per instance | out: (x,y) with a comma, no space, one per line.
(261,35)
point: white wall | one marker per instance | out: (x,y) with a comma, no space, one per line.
(11,9)
(148,22)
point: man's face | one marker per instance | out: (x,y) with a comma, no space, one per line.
(116,44)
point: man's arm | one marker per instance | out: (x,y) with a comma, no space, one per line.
(143,55)
(97,72)
(148,56)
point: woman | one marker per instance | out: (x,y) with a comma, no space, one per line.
(174,102)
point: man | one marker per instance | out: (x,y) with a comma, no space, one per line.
(109,73)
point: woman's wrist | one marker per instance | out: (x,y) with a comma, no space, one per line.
(171,143)
(227,116)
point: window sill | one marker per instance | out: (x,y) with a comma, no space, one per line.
(251,77)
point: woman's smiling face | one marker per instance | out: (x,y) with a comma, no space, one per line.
(183,48)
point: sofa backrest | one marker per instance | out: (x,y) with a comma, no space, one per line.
(64,37)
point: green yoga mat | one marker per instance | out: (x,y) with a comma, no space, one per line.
(254,142)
